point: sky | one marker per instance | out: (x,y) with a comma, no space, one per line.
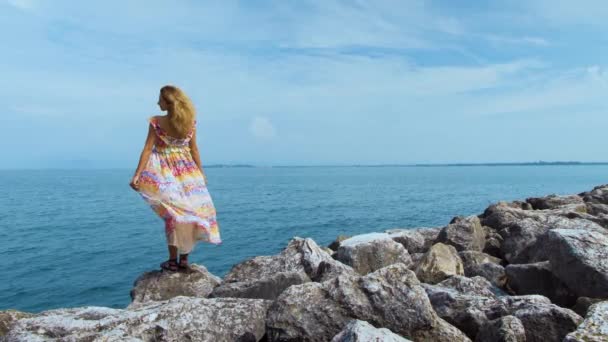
(306,82)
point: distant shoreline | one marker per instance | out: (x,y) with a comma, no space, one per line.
(540,163)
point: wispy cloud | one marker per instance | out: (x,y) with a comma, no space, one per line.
(364,76)
(26,5)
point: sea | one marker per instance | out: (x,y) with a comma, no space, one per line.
(72,238)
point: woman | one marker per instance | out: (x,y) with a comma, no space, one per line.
(171,179)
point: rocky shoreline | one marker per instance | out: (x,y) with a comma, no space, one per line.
(533,270)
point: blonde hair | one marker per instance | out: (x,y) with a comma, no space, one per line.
(180,108)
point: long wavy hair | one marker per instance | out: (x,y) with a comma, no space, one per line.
(180,108)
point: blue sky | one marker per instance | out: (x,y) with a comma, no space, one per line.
(306,82)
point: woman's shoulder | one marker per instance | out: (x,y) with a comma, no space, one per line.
(155,119)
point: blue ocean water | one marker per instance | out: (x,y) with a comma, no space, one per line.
(81,237)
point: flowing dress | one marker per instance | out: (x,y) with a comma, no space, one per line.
(173,185)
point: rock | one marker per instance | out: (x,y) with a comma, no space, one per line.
(415,240)
(521,228)
(583,304)
(177,319)
(8,319)
(597,209)
(484,265)
(547,322)
(493,242)
(503,329)
(369,252)
(469,304)
(554,201)
(579,259)
(265,277)
(390,297)
(158,285)
(599,194)
(595,326)
(537,278)
(440,262)
(466,303)
(265,288)
(464,234)
(336,243)
(361,331)
(416,257)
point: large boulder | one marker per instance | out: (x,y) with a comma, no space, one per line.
(466,303)
(504,329)
(369,252)
(470,303)
(178,319)
(390,297)
(483,265)
(361,331)
(537,278)
(555,201)
(521,228)
(415,240)
(159,285)
(265,277)
(265,288)
(599,194)
(595,326)
(464,233)
(579,259)
(440,262)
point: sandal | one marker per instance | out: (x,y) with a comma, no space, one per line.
(169,265)
(183,263)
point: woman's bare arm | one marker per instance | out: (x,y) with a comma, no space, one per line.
(195,154)
(145,154)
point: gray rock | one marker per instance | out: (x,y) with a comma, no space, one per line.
(469,304)
(484,265)
(8,319)
(554,201)
(390,297)
(599,194)
(264,288)
(178,319)
(361,331)
(595,326)
(369,252)
(547,322)
(336,243)
(579,259)
(521,228)
(266,277)
(537,278)
(466,303)
(464,234)
(583,304)
(440,262)
(493,242)
(503,329)
(159,285)
(597,209)
(415,240)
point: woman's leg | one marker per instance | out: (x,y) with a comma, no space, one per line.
(172,252)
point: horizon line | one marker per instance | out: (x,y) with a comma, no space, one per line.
(246,165)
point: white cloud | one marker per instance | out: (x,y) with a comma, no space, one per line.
(25,5)
(262,128)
